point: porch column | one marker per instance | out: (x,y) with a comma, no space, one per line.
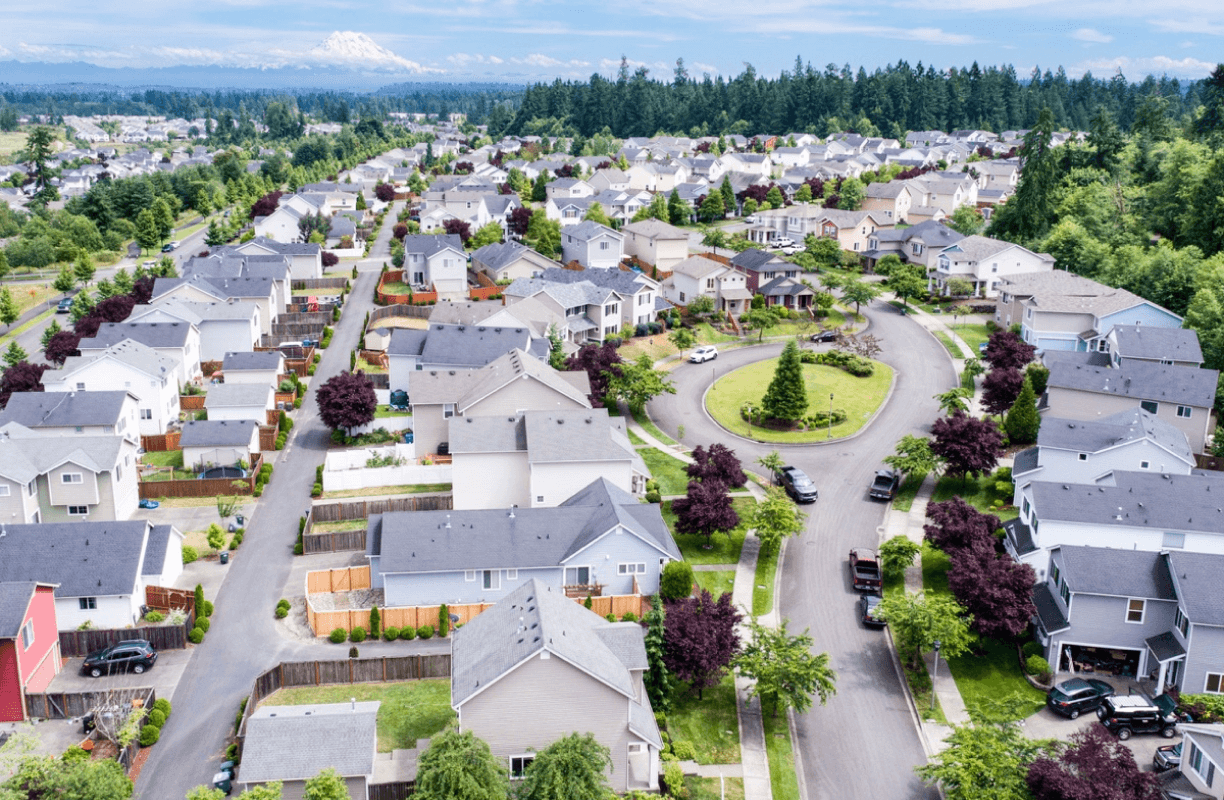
(1160,678)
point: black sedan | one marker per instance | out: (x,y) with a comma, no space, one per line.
(133,655)
(869,611)
(1075,696)
(824,336)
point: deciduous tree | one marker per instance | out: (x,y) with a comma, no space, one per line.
(786,396)
(701,639)
(995,588)
(574,767)
(1000,388)
(705,509)
(601,362)
(21,377)
(983,761)
(966,445)
(346,401)
(858,292)
(1096,766)
(918,620)
(458,766)
(913,456)
(955,525)
(954,400)
(907,282)
(718,463)
(786,672)
(774,519)
(897,555)
(1006,350)
(683,339)
(638,381)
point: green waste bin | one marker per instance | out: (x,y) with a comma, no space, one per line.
(225,557)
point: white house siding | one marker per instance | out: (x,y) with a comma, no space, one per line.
(157,396)
(1206,654)
(548,699)
(262,377)
(18,506)
(64,494)
(552,484)
(172,567)
(1065,466)
(606,554)
(432,588)
(220,456)
(118,611)
(257,413)
(491,480)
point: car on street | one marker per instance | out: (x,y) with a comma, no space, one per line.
(1075,696)
(797,484)
(865,570)
(869,611)
(707,352)
(885,484)
(1126,715)
(824,336)
(170,247)
(130,655)
(149,264)
(1167,757)
(64,306)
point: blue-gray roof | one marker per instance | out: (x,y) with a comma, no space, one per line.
(1048,612)
(1192,502)
(1147,341)
(618,280)
(1116,572)
(755,260)
(1197,577)
(459,345)
(259,360)
(64,409)
(218,433)
(295,743)
(1093,436)
(14,601)
(150,334)
(87,559)
(155,550)
(1142,380)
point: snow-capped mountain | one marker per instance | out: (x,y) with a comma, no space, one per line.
(356,50)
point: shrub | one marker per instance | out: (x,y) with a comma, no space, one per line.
(283,602)
(1206,708)
(162,705)
(807,357)
(653,496)
(203,624)
(685,751)
(189,554)
(588,603)
(316,490)
(241,710)
(390,634)
(375,622)
(1037,667)
(149,735)
(155,616)
(231,752)
(357,634)
(208,608)
(425,632)
(652,485)
(408,633)
(75,755)
(677,580)
(297,549)
(281,612)
(196,636)
(629,617)
(443,620)
(236,539)
(157,719)
(338,635)
(1031,648)
(673,778)
(280,441)
(353,652)
(610,617)
(199,596)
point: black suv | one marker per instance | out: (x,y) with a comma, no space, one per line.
(797,484)
(1075,696)
(1129,714)
(134,655)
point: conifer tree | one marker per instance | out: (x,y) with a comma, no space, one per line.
(786,397)
(1023,421)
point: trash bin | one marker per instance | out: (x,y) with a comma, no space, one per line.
(225,557)
(241,519)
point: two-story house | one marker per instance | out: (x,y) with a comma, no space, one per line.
(918,244)
(95,413)
(1202,756)
(1177,346)
(984,263)
(592,245)
(698,276)
(177,340)
(240,401)
(655,243)
(262,368)
(305,259)
(851,229)
(436,261)
(264,292)
(454,347)
(594,303)
(224,326)
(892,200)
(759,268)
(130,367)
(29,644)
(504,261)
(638,297)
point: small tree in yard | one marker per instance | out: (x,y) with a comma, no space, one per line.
(913,457)
(984,761)
(601,362)
(995,588)
(917,620)
(683,339)
(907,283)
(458,766)
(675,582)
(1095,766)
(327,785)
(1000,388)
(786,397)
(967,446)
(375,622)
(226,506)
(657,679)
(762,318)
(21,377)
(347,401)
(14,355)
(1023,422)
(954,400)
(638,381)
(858,292)
(573,767)
(1006,350)
(701,639)
(897,554)
(776,518)
(772,462)
(705,510)
(956,525)
(785,671)
(718,463)
(62,346)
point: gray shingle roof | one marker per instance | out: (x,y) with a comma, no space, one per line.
(87,559)
(155,550)
(293,743)
(14,600)
(1157,501)
(63,409)
(238,394)
(429,244)
(1116,572)
(499,255)
(459,345)
(218,433)
(1141,380)
(783,286)
(1165,646)
(1093,436)
(1197,577)
(1025,461)
(626,283)
(932,233)
(587,231)
(284,248)
(655,229)
(755,260)
(546,436)
(1051,616)
(152,334)
(25,454)
(134,354)
(1146,341)
(1020,534)
(264,359)
(698,266)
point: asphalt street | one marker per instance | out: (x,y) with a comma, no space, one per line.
(864,743)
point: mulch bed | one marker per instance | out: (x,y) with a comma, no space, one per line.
(142,755)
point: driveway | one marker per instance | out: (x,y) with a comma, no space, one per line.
(864,743)
(164,677)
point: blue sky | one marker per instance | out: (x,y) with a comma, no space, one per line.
(528,40)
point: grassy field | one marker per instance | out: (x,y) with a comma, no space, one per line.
(725,547)
(980,493)
(949,345)
(783,780)
(659,346)
(29,294)
(716,583)
(371,369)
(11,142)
(711,723)
(665,469)
(164,458)
(859,397)
(382,491)
(410,711)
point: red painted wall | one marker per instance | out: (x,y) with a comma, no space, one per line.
(12,708)
(40,663)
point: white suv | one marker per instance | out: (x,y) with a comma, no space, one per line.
(707,352)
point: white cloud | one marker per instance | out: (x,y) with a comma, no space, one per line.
(1092,35)
(703,68)
(1183,25)
(465,59)
(1135,69)
(541,60)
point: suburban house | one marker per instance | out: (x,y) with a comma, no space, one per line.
(759,268)
(700,276)
(892,200)
(525,313)
(101,568)
(264,367)
(513,383)
(273,749)
(984,262)
(655,243)
(29,644)
(130,367)
(569,187)
(1181,396)
(177,340)
(228,265)
(240,401)
(1061,311)
(262,291)
(594,303)
(305,259)
(537,459)
(851,229)
(1176,346)
(224,326)
(48,478)
(599,541)
(592,245)
(75,413)
(918,244)
(544,655)
(789,292)
(219,442)
(506,261)
(1080,451)
(436,261)
(454,347)
(1195,777)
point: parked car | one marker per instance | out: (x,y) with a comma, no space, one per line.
(865,570)
(784,242)
(885,485)
(707,352)
(869,611)
(824,336)
(130,655)
(797,484)
(64,306)
(147,503)
(1075,696)
(1167,757)
(170,247)
(1126,715)
(150,264)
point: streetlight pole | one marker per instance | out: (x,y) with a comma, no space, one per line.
(830,436)
(934,674)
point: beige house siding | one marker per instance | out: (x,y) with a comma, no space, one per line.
(102,507)
(65,494)
(18,506)
(491,480)
(523,394)
(557,482)
(1072,404)
(429,428)
(547,699)
(1064,323)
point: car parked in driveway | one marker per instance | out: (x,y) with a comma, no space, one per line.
(707,352)
(885,484)
(1076,696)
(797,484)
(1126,715)
(131,655)
(1167,757)
(869,611)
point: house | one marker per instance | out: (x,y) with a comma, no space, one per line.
(984,263)
(101,568)
(594,303)
(75,413)
(525,313)
(592,245)
(262,291)
(1176,346)
(599,541)
(50,478)
(436,261)
(509,385)
(274,748)
(892,200)
(851,229)
(538,458)
(655,243)
(570,658)
(504,261)
(698,275)
(569,187)
(1195,777)
(131,367)
(454,347)
(262,368)
(226,265)
(29,644)
(918,244)
(759,267)
(224,326)
(789,292)
(240,401)
(1181,396)
(638,295)
(219,442)
(305,259)
(177,340)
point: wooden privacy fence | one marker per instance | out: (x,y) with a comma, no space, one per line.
(66,705)
(337,580)
(362,509)
(333,541)
(165,599)
(401,790)
(305,284)
(282,331)
(161,442)
(398,310)
(162,637)
(202,487)
(191,402)
(267,437)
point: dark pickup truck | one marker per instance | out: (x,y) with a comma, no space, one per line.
(885,485)
(797,484)
(864,570)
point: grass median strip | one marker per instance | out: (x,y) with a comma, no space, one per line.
(711,723)
(951,346)
(763,583)
(642,419)
(782,777)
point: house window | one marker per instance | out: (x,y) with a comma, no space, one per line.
(4,490)
(78,511)
(1144,464)
(1065,593)
(1184,412)
(27,635)
(916,249)
(1150,406)
(88,603)
(1083,456)
(492,579)
(448,410)
(1182,622)
(709,283)
(603,245)
(682,297)
(539,498)
(518,766)
(610,309)
(1215,683)
(511,574)
(469,575)
(1025,507)
(146,413)
(1173,541)
(1134,610)
(1201,764)
(72,477)
(118,472)
(1055,572)
(630,569)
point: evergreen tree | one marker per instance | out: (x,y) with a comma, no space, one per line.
(712,208)
(786,397)
(65,281)
(84,268)
(14,355)
(539,189)
(1026,217)
(8,307)
(657,679)
(774,197)
(677,210)
(595,213)
(215,235)
(1023,421)
(728,194)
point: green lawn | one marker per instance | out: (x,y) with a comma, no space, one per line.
(665,469)
(412,488)
(713,788)
(396,287)
(716,583)
(634,439)
(783,780)
(384,412)
(410,710)
(918,679)
(647,423)
(339,525)
(711,723)
(904,499)
(164,458)
(858,397)
(951,346)
(368,368)
(980,493)
(725,547)
(766,569)
(973,335)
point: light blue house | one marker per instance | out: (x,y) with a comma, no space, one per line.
(601,541)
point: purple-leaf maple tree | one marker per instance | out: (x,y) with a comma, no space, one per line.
(705,509)
(265,205)
(62,346)
(1006,350)
(599,361)
(1000,388)
(399,231)
(967,446)
(114,309)
(956,525)
(329,259)
(142,291)
(87,327)
(384,192)
(347,400)
(459,227)
(994,588)
(1095,767)
(519,219)
(718,463)
(21,377)
(699,639)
